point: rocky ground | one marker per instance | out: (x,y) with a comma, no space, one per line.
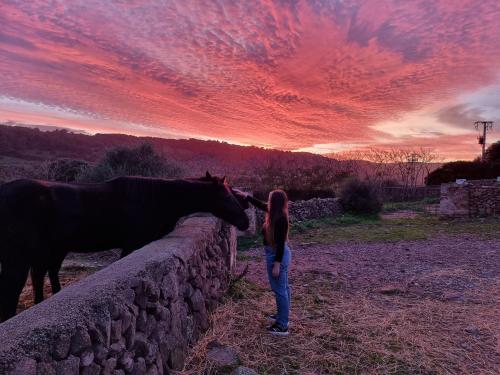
(407,294)
(395,307)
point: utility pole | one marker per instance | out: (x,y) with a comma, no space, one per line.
(485,125)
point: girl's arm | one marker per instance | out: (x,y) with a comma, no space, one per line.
(280,231)
(257,203)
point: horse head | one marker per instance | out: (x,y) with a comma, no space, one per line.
(241,197)
(227,204)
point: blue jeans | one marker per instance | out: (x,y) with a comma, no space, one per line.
(280,285)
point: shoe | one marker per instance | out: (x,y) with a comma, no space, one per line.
(277,330)
(272,317)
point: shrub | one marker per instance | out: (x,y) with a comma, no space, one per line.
(493,153)
(36,170)
(298,194)
(123,161)
(470,170)
(66,170)
(360,197)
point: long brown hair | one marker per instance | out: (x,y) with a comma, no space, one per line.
(277,207)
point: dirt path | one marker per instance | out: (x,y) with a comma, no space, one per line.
(430,307)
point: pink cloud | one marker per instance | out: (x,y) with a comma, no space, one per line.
(279,74)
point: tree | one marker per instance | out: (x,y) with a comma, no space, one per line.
(470,170)
(123,161)
(407,166)
(493,153)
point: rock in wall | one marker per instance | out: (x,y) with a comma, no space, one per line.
(137,316)
(454,201)
(315,208)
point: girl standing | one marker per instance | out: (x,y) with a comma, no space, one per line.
(278,255)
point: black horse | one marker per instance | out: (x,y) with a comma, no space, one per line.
(40,222)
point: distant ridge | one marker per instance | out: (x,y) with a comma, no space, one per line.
(33,144)
(45,128)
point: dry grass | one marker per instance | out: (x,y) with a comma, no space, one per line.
(323,340)
(370,309)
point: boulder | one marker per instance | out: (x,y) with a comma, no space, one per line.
(241,370)
(223,357)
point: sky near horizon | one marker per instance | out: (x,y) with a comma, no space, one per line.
(310,75)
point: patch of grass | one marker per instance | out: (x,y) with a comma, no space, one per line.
(373,229)
(403,206)
(248,242)
(349,219)
(485,228)
(243,257)
(432,200)
(417,206)
(304,226)
(346,219)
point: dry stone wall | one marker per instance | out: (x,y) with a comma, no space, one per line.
(137,316)
(315,208)
(470,199)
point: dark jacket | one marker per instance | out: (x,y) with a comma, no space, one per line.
(280,229)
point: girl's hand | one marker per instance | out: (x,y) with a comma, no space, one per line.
(240,193)
(276,270)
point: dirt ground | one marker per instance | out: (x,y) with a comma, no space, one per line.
(406,307)
(75,267)
(365,303)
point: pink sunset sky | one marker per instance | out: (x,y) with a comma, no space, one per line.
(319,76)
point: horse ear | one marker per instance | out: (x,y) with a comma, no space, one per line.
(207,175)
(224,179)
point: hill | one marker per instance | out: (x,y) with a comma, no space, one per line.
(247,165)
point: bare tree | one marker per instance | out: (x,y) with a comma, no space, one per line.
(407,166)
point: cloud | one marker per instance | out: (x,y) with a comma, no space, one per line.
(285,74)
(460,115)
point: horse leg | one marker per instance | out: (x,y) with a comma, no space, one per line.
(12,280)
(54,276)
(37,279)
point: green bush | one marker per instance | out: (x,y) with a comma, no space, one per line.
(66,170)
(360,197)
(123,161)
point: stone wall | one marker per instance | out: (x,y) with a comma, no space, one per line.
(137,316)
(471,199)
(402,194)
(315,208)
